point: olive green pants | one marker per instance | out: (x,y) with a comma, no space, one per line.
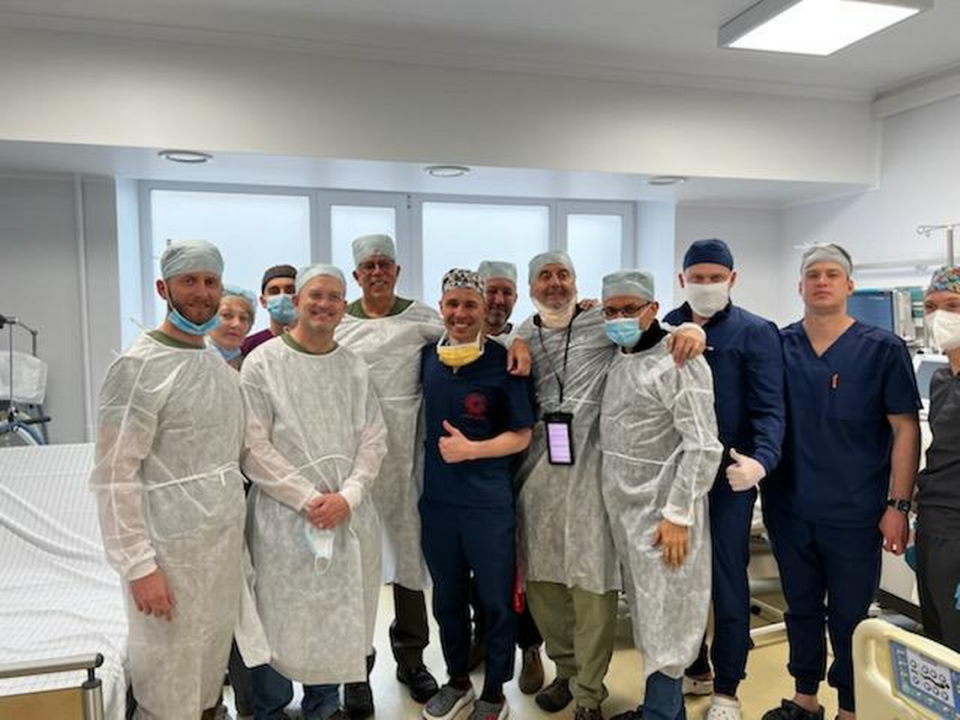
(579,629)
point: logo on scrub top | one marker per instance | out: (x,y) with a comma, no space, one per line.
(475,406)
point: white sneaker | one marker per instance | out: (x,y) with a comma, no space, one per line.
(723,708)
(694,686)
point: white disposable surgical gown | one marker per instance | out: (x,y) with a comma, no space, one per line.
(313,422)
(565,534)
(170,495)
(391,346)
(658,432)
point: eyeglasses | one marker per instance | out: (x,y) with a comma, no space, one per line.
(630,311)
(371,265)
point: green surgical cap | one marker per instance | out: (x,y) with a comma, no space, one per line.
(184,256)
(309,272)
(369,245)
(628,282)
(553,257)
(498,269)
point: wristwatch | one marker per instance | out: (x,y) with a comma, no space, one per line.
(903,506)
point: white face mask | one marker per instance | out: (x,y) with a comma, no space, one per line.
(554,319)
(709,299)
(945,328)
(321,543)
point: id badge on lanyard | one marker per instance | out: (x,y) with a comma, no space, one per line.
(559,431)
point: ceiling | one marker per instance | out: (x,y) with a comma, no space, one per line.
(671,42)
(24,158)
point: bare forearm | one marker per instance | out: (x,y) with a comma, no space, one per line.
(504,444)
(904,457)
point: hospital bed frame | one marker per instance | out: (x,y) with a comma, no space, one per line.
(83,702)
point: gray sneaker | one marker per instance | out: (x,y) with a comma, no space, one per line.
(447,703)
(483,710)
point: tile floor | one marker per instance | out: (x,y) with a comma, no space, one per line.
(767,680)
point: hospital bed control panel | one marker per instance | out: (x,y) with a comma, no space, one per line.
(926,682)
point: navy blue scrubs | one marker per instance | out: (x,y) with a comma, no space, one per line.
(467,508)
(747,365)
(824,505)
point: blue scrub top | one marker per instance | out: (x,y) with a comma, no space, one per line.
(747,363)
(482,400)
(836,467)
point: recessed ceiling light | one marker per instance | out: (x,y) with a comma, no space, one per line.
(191,157)
(446,171)
(661,180)
(813,27)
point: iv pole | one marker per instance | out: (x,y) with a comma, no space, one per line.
(928,230)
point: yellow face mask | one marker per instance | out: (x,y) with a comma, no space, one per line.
(457,356)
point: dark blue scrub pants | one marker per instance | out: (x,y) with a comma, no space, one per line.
(456,541)
(829,576)
(663,699)
(272,692)
(731,514)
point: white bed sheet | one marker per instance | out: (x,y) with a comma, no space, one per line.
(58,596)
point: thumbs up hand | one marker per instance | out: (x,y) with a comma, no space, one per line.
(745,473)
(455,447)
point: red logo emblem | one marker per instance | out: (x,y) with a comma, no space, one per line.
(475,406)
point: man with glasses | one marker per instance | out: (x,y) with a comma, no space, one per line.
(570,564)
(747,364)
(388,332)
(658,435)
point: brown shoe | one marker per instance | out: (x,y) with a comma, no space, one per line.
(531,672)
(587,714)
(555,696)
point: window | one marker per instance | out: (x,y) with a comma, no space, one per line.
(465,234)
(347,223)
(594,243)
(252,231)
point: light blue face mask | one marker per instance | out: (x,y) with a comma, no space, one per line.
(321,543)
(281,308)
(228,355)
(191,328)
(625,332)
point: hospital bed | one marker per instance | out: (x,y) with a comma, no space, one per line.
(902,676)
(62,618)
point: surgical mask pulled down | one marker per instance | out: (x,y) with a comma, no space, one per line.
(281,308)
(945,328)
(707,299)
(191,328)
(456,356)
(554,319)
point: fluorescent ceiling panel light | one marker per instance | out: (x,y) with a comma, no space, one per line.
(814,27)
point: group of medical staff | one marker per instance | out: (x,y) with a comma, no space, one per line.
(531,473)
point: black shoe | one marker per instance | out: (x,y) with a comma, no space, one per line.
(789,710)
(555,696)
(630,715)
(422,684)
(358,700)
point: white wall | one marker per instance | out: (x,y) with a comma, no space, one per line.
(919,184)
(40,282)
(88,89)
(754,237)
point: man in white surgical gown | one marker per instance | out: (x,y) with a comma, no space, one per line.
(170,493)
(658,435)
(313,421)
